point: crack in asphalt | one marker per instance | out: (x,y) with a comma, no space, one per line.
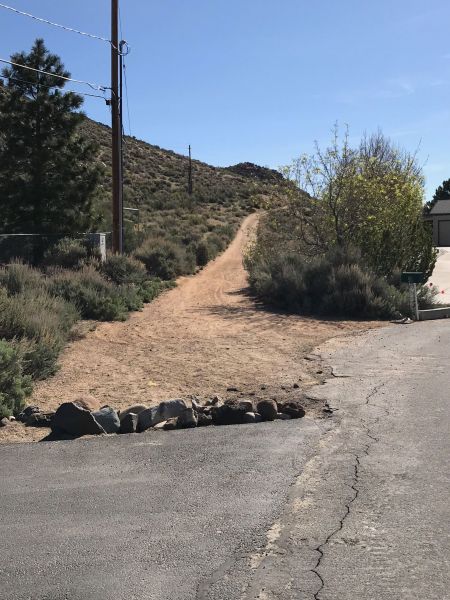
(354,486)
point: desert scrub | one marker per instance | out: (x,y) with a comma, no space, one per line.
(42,322)
(122,269)
(70,253)
(337,284)
(15,386)
(95,297)
(165,259)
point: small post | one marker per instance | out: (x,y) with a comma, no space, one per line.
(190,187)
(416,302)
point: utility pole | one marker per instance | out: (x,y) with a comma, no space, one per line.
(190,172)
(116,118)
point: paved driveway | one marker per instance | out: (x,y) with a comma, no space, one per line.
(441,275)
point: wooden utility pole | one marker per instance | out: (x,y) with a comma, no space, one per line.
(190,188)
(116,118)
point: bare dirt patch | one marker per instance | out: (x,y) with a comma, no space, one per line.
(200,338)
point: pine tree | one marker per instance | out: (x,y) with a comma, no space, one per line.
(441,193)
(48,172)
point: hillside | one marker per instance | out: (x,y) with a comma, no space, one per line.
(155,182)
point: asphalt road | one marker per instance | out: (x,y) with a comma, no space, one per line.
(356,507)
(158,515)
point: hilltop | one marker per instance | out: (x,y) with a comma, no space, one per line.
(155,182)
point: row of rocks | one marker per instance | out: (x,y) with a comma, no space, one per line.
(84,417)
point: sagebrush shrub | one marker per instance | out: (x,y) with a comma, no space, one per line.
(95,297)
(70,253)
(165,259)
(122,269)
(14,385)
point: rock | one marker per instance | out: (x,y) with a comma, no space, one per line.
(204,420)
(232,389)
(75,420)
(248,404)
(170,424)
(12,418)
(293,408)
(215,401)
(283,417)
(267,409)
(187,419)
(295,386)
(4,422)
(135,409)
(197,406)
(88,402)
(27,412)
(164,411)
(249,417)
(58,435)
(161,425)
(108,418)
(129,423)
(230,413)
(258,418)
(40,419)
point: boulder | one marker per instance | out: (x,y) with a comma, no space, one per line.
(129,423)
(75,420)
(27,412)
(164,411)
(40,419)
(230,413)
(108,418)
(170,424)
(214,401)
(248,404)
(88,402)
(283,417)
(258,418)
(293,408)
(249,417)
(4,422)
(197,406)
(204,420)
(187,419)
(267,409)
(135,409)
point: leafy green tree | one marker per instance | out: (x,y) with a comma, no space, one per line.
(441,193)
(48,172)
(369,197)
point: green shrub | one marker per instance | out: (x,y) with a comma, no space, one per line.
(165,259)
(14,385)
(18,277)
(69,253)
(333,285)
(42,320)
(122,269)
(202,254)
(94,296)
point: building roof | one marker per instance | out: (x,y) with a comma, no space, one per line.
(442,207)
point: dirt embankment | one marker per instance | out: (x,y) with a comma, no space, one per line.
(200,338)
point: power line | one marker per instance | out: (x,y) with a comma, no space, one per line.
(64,27)
(94,86)
(25,14)
(50,87)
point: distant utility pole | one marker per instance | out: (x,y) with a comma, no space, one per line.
(190,188)
(116,123)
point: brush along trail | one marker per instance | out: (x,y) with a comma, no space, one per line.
(202,337)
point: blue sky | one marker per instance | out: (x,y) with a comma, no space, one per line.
(260,80)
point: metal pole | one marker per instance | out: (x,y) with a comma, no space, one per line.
(190,172)
(416,303)
(116,131)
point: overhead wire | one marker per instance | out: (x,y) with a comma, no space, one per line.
(4,77)
(94,86)
(64,27)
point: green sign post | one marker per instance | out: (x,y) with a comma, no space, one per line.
(413,278)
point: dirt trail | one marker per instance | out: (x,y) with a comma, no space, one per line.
(199,338)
